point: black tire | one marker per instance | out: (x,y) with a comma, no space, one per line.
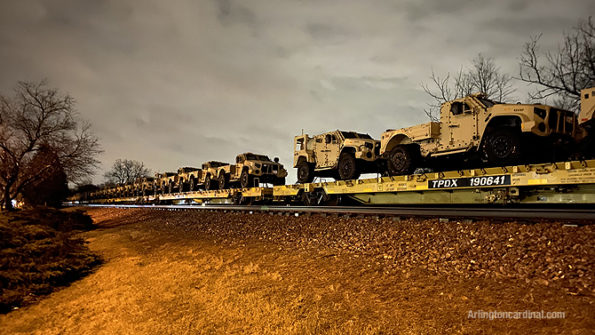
(401,161)
(163,189)
(222,181)
(502,146)
(246,180)
(192,185)
(209,183)
(347,167)
(304,173)
(170,188)
(279,181)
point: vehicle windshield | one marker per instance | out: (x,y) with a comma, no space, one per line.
(351,134)
(486,102)
(253,157)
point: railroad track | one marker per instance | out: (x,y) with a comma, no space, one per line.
(560,213)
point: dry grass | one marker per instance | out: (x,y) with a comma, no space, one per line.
(160,279)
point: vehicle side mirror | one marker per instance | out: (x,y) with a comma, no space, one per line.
(276,159)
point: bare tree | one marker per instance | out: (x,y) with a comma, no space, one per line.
(34,118)
(564,73)
(483,76)
(126,171)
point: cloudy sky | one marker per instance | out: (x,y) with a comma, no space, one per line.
(176,83)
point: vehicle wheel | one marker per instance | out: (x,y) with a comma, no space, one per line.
(209,183)
(163,189)
(401,160)
(304,173)
(222,181)
(170,188)
(279,182)
(347,167)
(192,185)
(502,146)
(246,179)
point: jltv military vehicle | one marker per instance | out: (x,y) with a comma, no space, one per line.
(586,120)
(210,172)
(497,133)
(189,178)
(338,154)
(162,181)
(250,170)
(144,186)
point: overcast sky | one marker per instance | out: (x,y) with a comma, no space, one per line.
(177,83)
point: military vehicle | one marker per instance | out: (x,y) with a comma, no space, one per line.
(250,170)
(586,120)
(188,179)
(494,132)
(338,154)
(162,182)
(210,170)
(144,186)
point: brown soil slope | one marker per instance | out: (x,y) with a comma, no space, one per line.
(202,272)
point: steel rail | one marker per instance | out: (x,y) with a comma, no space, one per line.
(561,213)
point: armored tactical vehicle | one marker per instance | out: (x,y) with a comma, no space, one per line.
(338,154)
(586,120)
(250,170)
(210,170)
(495,132)
(144,186)
(189,178)
(162,181)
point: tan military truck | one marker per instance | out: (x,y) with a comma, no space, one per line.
(498,133)
(586,120)
(587,114)
(188,178)
(338,154)
(250,170)
(144,186)
(163,182)
(210,171)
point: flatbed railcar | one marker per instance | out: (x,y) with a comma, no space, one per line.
(568,182)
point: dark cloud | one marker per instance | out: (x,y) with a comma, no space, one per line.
(178,84)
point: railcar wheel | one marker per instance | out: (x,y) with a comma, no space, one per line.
(502,146)
(222,181)
(304,173)
(347,167)
(246,179)
(401,160)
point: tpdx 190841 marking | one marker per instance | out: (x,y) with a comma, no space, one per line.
(470,182)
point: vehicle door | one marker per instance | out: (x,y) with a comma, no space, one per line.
(320,153)
(462,125)
(332,150)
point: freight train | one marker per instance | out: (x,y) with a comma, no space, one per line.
(472,127)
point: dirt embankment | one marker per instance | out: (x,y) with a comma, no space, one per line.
(205,272)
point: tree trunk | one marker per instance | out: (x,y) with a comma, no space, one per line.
(7,199)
